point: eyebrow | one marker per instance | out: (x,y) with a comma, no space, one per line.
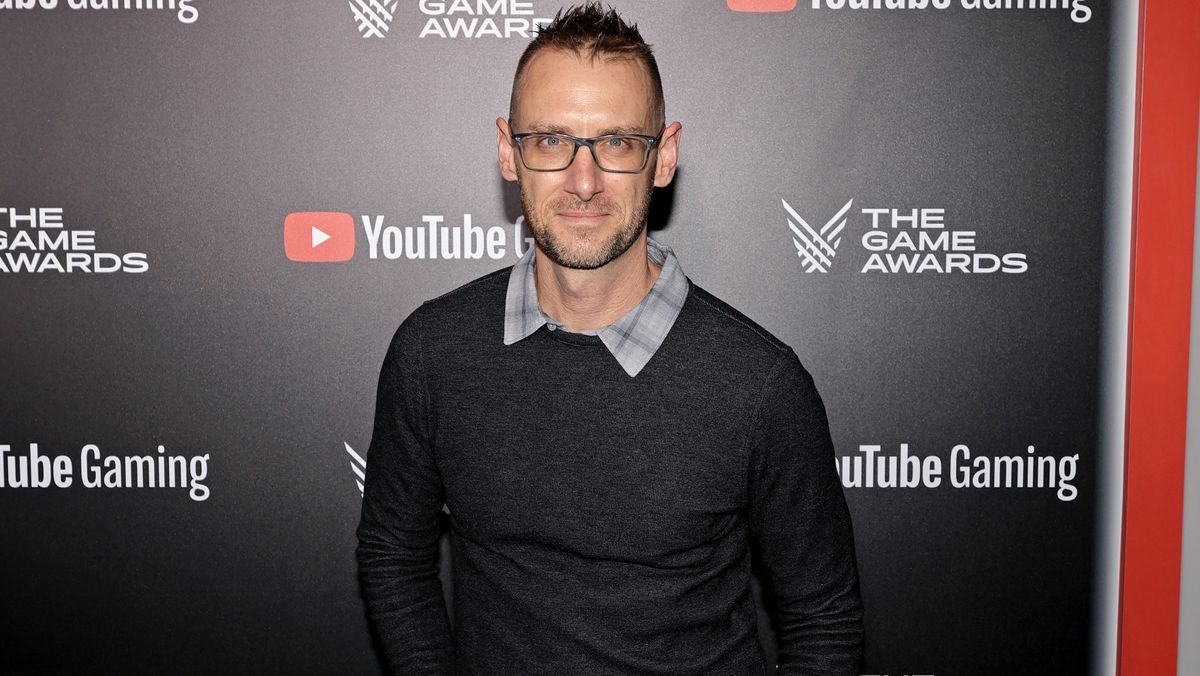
(545,127)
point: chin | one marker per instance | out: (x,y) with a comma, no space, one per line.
(588,258)
(585,253)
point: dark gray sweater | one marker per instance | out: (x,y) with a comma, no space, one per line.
(602,524)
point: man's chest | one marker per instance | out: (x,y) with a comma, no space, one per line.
(590,470)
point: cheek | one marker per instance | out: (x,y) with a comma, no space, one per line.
(539,187)
(639,191)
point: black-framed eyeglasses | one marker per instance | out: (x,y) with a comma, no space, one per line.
(616,153)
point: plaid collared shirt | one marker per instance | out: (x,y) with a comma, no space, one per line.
(634,338)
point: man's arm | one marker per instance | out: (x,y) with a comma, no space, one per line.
(800,528)
(398,532)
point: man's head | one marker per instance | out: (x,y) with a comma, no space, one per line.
(592,32)
(587,74)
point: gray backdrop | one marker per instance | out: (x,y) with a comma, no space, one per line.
(190,142)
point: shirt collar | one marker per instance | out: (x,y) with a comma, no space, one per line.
(634,338)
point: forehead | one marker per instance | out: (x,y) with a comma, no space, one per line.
(566,89)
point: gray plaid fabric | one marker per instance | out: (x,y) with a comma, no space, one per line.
(634,338)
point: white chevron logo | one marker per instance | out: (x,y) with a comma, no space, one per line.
(374,17)
(358,466)
(816,248)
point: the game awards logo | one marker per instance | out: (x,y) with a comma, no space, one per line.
(357,465)
(816,248)
(902,240)
(374,17)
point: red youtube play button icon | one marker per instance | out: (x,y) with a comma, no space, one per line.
(761,5)
(318,236)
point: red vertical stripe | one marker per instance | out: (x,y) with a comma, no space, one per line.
(1168,98)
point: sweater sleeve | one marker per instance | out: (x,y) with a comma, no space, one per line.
(398,532)
(800,528)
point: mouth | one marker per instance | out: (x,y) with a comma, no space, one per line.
(582,217)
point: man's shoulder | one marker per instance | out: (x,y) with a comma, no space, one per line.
(483,288)
(726,342)
(470,307)
(730,326)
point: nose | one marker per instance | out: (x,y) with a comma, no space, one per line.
(584,178)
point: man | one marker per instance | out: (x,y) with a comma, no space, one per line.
(611,441)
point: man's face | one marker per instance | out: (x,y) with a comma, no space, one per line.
(582,217)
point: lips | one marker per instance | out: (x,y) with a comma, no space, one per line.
(583,215)
(579,213)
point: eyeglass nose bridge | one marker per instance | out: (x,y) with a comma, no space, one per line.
(591,146)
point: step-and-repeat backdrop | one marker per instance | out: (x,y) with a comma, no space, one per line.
(911,193)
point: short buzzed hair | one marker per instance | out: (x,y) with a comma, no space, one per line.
(593,32)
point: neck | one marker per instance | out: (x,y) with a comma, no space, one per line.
(587,300)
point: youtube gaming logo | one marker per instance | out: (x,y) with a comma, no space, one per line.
(761,5)
(318,236)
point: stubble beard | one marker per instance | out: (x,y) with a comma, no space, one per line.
(567,254)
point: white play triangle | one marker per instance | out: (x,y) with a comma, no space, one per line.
(318,236)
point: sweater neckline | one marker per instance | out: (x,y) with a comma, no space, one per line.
(572,338)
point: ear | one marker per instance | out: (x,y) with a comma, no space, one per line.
(668,155)
(505,150)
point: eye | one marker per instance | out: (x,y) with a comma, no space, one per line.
(548,141)
(617,142)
